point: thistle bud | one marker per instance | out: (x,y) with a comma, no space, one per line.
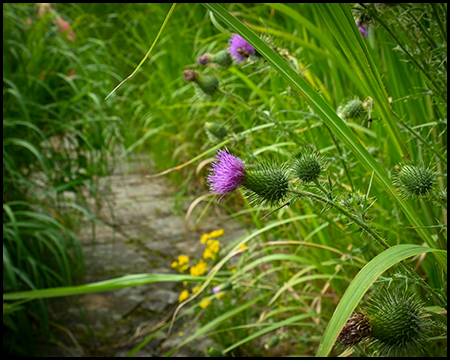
(307,165)
(208,84)
(266,183)
(216,131)
(352,110)
(205,59)
(221,58)
(398,327)
(415,180)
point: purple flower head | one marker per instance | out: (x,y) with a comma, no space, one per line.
(227,173)
(216,289)
(239,48)
(363,28)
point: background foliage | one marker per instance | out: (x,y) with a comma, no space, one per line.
(59,135)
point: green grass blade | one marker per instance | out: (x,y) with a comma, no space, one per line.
(29,146)
(340,20)
(169,14)
(325,112)
(269,328)
(327,43)
(113,284)
(214,323)
(362,282)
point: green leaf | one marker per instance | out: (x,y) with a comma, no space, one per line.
(113,284)
(362,282)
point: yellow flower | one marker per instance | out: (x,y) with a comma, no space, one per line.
(182,264)
(213,245)
(197,288)
(216,233)
(204,238)
(205,303)
(211,250)
(211,235)
(181,333)
(183,296)
(243,246)
(208,254)
(199,269)
(220,296)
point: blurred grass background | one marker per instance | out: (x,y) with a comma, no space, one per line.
(60,135)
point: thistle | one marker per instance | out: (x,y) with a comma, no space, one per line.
(266,183)
(307,165)
(227,173)
(351,110)
(363,28)
(415,180)
(208,84)
(239,48)
(393,323)
(221,58)
(398,327)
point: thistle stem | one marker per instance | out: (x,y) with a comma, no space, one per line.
(346,213)
(411,272)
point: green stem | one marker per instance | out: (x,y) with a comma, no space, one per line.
(411,272)
(432,221)
(346,213)
(342,160)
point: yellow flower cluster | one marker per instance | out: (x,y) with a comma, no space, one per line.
(212,248)
(199,269)
(210,252)
(182,264)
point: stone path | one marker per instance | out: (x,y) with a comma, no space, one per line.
(145,233)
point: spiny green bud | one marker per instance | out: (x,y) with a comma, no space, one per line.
(397,322)
(354,109)
(355,330)
(266,183)
(221,58)
(307,165)
(415,180)
(216,131)
(208,84)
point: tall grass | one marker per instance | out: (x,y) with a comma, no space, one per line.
(289,285)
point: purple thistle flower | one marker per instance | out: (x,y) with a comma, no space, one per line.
(363,28)
(227,173)
(240,48)
(216,289)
